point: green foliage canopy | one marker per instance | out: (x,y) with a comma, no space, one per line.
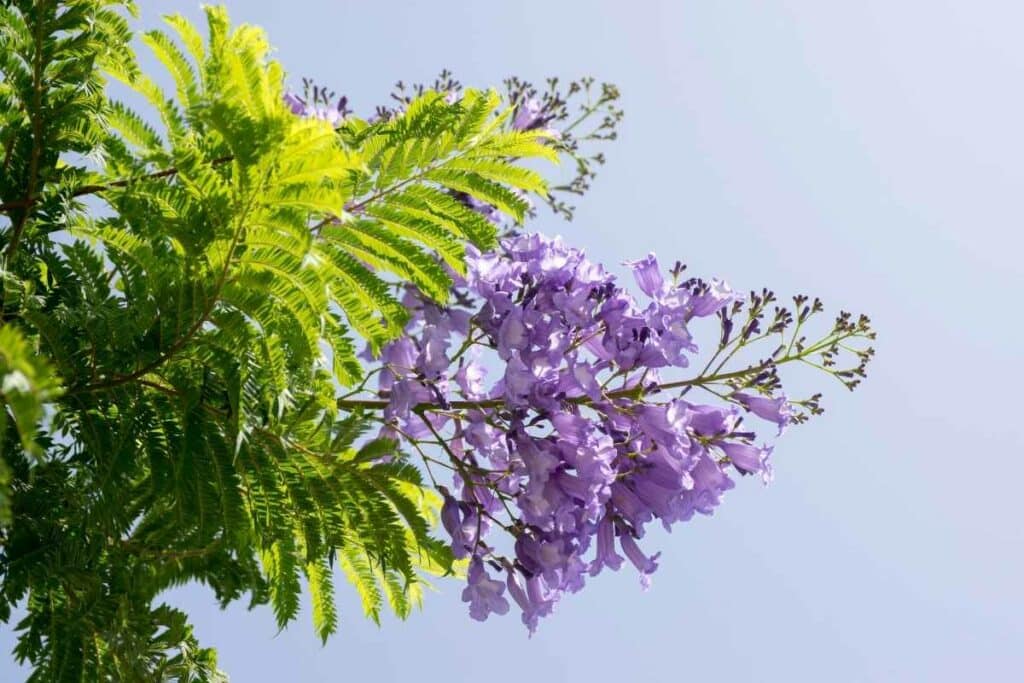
(171,350)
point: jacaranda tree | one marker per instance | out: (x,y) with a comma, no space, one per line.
(246,338)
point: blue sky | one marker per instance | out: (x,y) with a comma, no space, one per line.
(868,153)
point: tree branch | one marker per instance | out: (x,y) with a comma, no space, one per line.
(118,380)
(635,392)
(632,392)
(37,140)
(94,189)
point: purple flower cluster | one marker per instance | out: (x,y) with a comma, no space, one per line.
(575,446)
(318,106)
(532,114)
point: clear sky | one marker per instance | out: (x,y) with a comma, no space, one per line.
(869,153)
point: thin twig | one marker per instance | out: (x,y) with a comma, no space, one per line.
(95,189)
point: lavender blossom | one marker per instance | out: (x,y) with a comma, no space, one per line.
(777,410)
(483,593)
(574,441)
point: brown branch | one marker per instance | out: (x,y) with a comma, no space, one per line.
(358,207)
(633,392)
(94,189)
(118,380)
(8,150)
(135,548)
(37,141)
